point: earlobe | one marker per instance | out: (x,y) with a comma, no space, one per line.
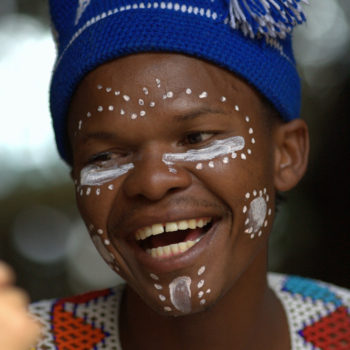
(291,153)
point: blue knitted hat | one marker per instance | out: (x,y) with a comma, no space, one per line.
(251,38)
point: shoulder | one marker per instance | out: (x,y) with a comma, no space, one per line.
(317,312)
(93,316)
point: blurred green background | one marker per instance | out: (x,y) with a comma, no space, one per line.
(41,234)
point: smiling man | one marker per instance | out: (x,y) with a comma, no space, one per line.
(180,122)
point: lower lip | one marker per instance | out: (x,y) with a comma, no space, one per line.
(178,261)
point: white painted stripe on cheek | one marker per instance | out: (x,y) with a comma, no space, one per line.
(216,149)
(93,175)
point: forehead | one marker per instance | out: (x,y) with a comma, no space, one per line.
(172,71)
(148,78)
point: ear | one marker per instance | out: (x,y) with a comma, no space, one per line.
(291,153)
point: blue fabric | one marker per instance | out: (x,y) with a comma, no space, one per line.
(109,29)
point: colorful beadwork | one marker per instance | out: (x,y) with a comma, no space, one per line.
(317,313)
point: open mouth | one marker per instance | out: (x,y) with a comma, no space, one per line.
(172,238)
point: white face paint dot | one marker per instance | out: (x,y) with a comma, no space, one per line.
(253,140)
(269,212)
(152,104)
(208,291)
(154,277)
(245,209)
(201,270)
(266,223)
(111,187)
(98,192)
(141,102)
(80,124)
(199,166)
(111,108)
(236,108)
(250,131)
(200,284)
(107,242)
(234,155)
(203,301)
(158,82)
(88,114)
(117,93)
(249,151)
(169,94)
(167,308)
(265,190)
(122,112)
(211,164)
(99,87)
(247,119)
(260,193)
(142,113)
(158,286)
(188,91)
(260,233)
(100,232)
(246,221)
(225,160)
(200,294)
(88,191)
(255,193)
(243,156)
(126,98)
(223,99)
(145,90)
(204,94)
(162,297)
(247,195)
(133,116)
(267,198)
(99,109)
(108,89)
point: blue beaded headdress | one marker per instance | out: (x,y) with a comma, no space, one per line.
(251,38)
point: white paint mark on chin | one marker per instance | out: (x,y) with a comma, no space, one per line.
(201,270)
(154,277)
(180,293)
(204,94)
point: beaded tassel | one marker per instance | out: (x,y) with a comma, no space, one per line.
(270,18)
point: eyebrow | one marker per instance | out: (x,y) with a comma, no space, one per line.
(108,136)
(198,113)
(99,135)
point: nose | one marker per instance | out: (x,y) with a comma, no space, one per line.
(152,179)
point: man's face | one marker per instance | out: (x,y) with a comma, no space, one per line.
(174,173)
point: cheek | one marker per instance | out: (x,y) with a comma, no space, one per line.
(95,203)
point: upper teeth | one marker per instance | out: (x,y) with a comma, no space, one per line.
(157,229)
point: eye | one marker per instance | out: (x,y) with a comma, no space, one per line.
(198,137)
(105,158)
(100,157)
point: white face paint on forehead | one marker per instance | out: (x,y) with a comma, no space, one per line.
(96,175)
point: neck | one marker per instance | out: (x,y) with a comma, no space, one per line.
(248,316)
